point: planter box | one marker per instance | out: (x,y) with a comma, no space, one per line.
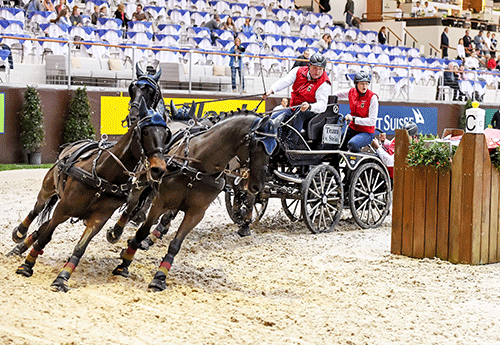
(450,215)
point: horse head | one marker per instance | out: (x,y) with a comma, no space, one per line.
(146,86)
(262,142)
(152,135)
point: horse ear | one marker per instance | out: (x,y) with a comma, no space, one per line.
(138,70)
(143,108)
(173,109)
(157,76)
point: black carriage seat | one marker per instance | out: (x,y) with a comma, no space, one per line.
(315,124)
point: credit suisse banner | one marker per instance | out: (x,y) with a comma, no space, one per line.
(392,117)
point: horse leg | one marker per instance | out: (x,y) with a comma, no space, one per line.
(160,230)
(28,242)
(94,225)
(191,219)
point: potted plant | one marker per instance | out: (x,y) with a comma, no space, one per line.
(79,126)
(32,127)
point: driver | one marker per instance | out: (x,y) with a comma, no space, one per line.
(364,111)
(310,89)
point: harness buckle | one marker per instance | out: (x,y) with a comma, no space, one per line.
(114,188)
(245,173)
(198,176)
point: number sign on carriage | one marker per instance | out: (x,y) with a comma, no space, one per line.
(392,117)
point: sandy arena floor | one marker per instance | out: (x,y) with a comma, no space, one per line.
(282,285)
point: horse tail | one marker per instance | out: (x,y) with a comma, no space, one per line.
(49,205)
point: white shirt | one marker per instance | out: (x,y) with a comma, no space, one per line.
(471,62)
(398,14)
(487,43)
(461,51)
(430,11)
(371,120)
(386,158)
(416,10)
(321,93)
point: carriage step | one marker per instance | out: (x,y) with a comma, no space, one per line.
(288,177)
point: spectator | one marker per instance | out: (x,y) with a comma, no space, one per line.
(48,5)
(349,12)
(247,28)
(229,25)
(398,13)
(139,15)
(417,10)
(461,73)
(461,50)
(487,43)
(324,6)
(310,90)
(75,18)
(62,4)
(35,5)
(445,43)
(493,50)
(467,43)
(479,41)
(213,24)
(495,120)
(324,43)
(382,37)
(472,61)
(94,15)
(429,10)
(279,109)
(236,64)
(62,18)
(491,63)
(103,12)
(450,78)
(120,14)
(304,56)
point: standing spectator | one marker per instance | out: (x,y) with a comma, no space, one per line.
(487,43)
(48,5)
(304,56)
(325,6)
(479,42)
(324,43)
(229,25)
(120,14)
(417,10)
(247,28)
(445,43)
(461,49)
(94,15)
(467,43)
(493,50)
(236,63)
(139,15)
(75,18)
(398,13)
(382,37)
(349,12)
(495,120)
(429,10)
(62,4)
(62,18)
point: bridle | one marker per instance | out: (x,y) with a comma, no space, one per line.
(144,80)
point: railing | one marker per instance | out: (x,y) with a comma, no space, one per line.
(395,35)
(413,38)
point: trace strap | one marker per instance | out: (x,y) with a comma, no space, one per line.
(194,175)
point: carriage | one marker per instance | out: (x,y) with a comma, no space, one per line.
(316,181)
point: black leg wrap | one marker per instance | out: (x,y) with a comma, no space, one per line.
(59,283)
(158,283)
(18,250)
(113,234)
(26,269)
(19,233)
(244,230)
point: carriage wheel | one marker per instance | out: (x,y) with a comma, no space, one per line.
(236,198)
(292,209)
(370,195)
(322,199)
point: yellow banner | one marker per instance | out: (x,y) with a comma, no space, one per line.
(114,109)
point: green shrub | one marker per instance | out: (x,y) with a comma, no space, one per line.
(32,127)
(79,125)
(434,154)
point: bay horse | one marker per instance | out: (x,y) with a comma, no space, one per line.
(90,187)
(194,180)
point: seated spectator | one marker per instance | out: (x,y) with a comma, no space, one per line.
(450,78)
(472,61)
(62,4)
(35,5)
(229,25)
(491,63)
(382,37)
(461,73)
(103,12)
(120,14)
(247,27)
(429,10)
(62,18)
(305,56)
(48,5)
(94,15)
(461,50)
(324,43)
(139,15)
(278,110)
(213,24)
(75,18)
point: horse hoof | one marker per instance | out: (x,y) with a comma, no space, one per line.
(18,250)
(121,271)
(17,235)
(59,285)
(25,270)
(244,231)
(146,244)
(111,236)
(157,285)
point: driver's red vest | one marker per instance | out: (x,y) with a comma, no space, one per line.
(304,90)
(360,106)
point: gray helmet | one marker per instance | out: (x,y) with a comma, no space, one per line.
(411,127)
(362,76)
(317,59)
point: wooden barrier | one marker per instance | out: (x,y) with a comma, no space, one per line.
(451,215)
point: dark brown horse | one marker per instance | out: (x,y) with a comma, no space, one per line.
(91,187)
(194,180)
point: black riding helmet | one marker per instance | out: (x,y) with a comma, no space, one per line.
(411,127)
(362,76)
(317,59)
